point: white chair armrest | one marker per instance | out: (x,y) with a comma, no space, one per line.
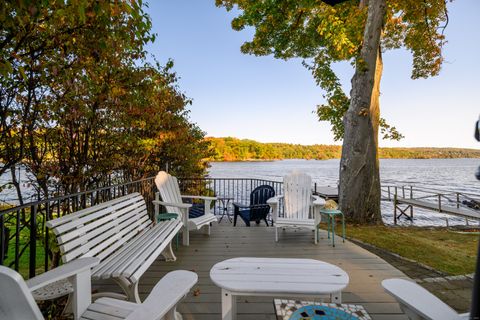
(62,272)
(165,295)
(199,197)
(171,204)
(419,300)
(317,201)
(274,200)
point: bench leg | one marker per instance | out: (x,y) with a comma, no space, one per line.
(168,253)
(130,289)
(185,236)
(206,229)
(173,314)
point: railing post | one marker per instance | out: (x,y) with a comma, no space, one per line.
(458,201)
(3,239)
(33,241)
(395,207)
(411,192)
(403,192)
(47,217)
(389,197)
(440,203)
(17,239)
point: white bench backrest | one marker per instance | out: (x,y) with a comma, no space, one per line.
(169,190)
(297,190)
(100,230)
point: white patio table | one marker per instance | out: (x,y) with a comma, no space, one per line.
(303,278)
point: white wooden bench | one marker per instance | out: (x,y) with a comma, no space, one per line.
(121,234)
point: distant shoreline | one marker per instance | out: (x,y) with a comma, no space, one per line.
(237,150)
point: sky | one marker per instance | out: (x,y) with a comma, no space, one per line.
(271,100)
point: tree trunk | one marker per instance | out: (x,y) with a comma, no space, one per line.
(359,168)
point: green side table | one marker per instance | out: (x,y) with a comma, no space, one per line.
(330,215)
(169,216)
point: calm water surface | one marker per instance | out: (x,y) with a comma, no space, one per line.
(444,174)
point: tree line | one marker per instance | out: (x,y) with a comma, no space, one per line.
(81,101)
(233,149)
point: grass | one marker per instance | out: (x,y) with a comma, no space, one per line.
(442,249)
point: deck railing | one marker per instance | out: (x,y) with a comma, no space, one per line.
(28,247)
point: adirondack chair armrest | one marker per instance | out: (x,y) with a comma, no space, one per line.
(165,295)
(274,200)
(171,204)
(317,201)
(418,300)
(199,197)
(64,271)
(240,205)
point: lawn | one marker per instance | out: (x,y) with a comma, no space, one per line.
(442,249)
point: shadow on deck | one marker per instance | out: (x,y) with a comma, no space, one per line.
(365,269)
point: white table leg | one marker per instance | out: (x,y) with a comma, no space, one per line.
(336,297)
(229,305)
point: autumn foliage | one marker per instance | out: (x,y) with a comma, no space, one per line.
(80,102)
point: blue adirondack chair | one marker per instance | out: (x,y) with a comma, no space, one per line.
(258,208)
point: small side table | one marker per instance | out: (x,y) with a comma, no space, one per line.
(330,215)
(225,201)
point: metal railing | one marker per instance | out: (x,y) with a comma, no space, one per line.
(27,246)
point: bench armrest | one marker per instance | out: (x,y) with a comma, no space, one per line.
(64,271)
(171,204)
(165,295)
(199,197)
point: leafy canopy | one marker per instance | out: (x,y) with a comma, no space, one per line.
(323,35)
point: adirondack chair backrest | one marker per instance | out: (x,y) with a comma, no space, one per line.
(16,301)
(169,190)
(98,231)
(261,194)
(297,191)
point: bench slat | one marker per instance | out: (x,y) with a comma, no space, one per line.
(125,255)
(100,226)
(101,243)
(135,277)
(141,260)
(75,223)
(77,214)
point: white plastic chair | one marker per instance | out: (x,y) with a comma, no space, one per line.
(298,204)
(169,191)
(17,302)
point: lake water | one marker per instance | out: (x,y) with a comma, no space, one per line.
(444,174)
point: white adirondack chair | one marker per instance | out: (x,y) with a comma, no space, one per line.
(169,191)
(418,303)
(298,204)
(17,302)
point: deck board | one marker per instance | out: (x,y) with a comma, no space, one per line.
(366,270)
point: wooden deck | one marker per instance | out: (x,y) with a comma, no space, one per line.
(365,269)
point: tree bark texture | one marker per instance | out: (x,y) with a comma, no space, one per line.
(359,193)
